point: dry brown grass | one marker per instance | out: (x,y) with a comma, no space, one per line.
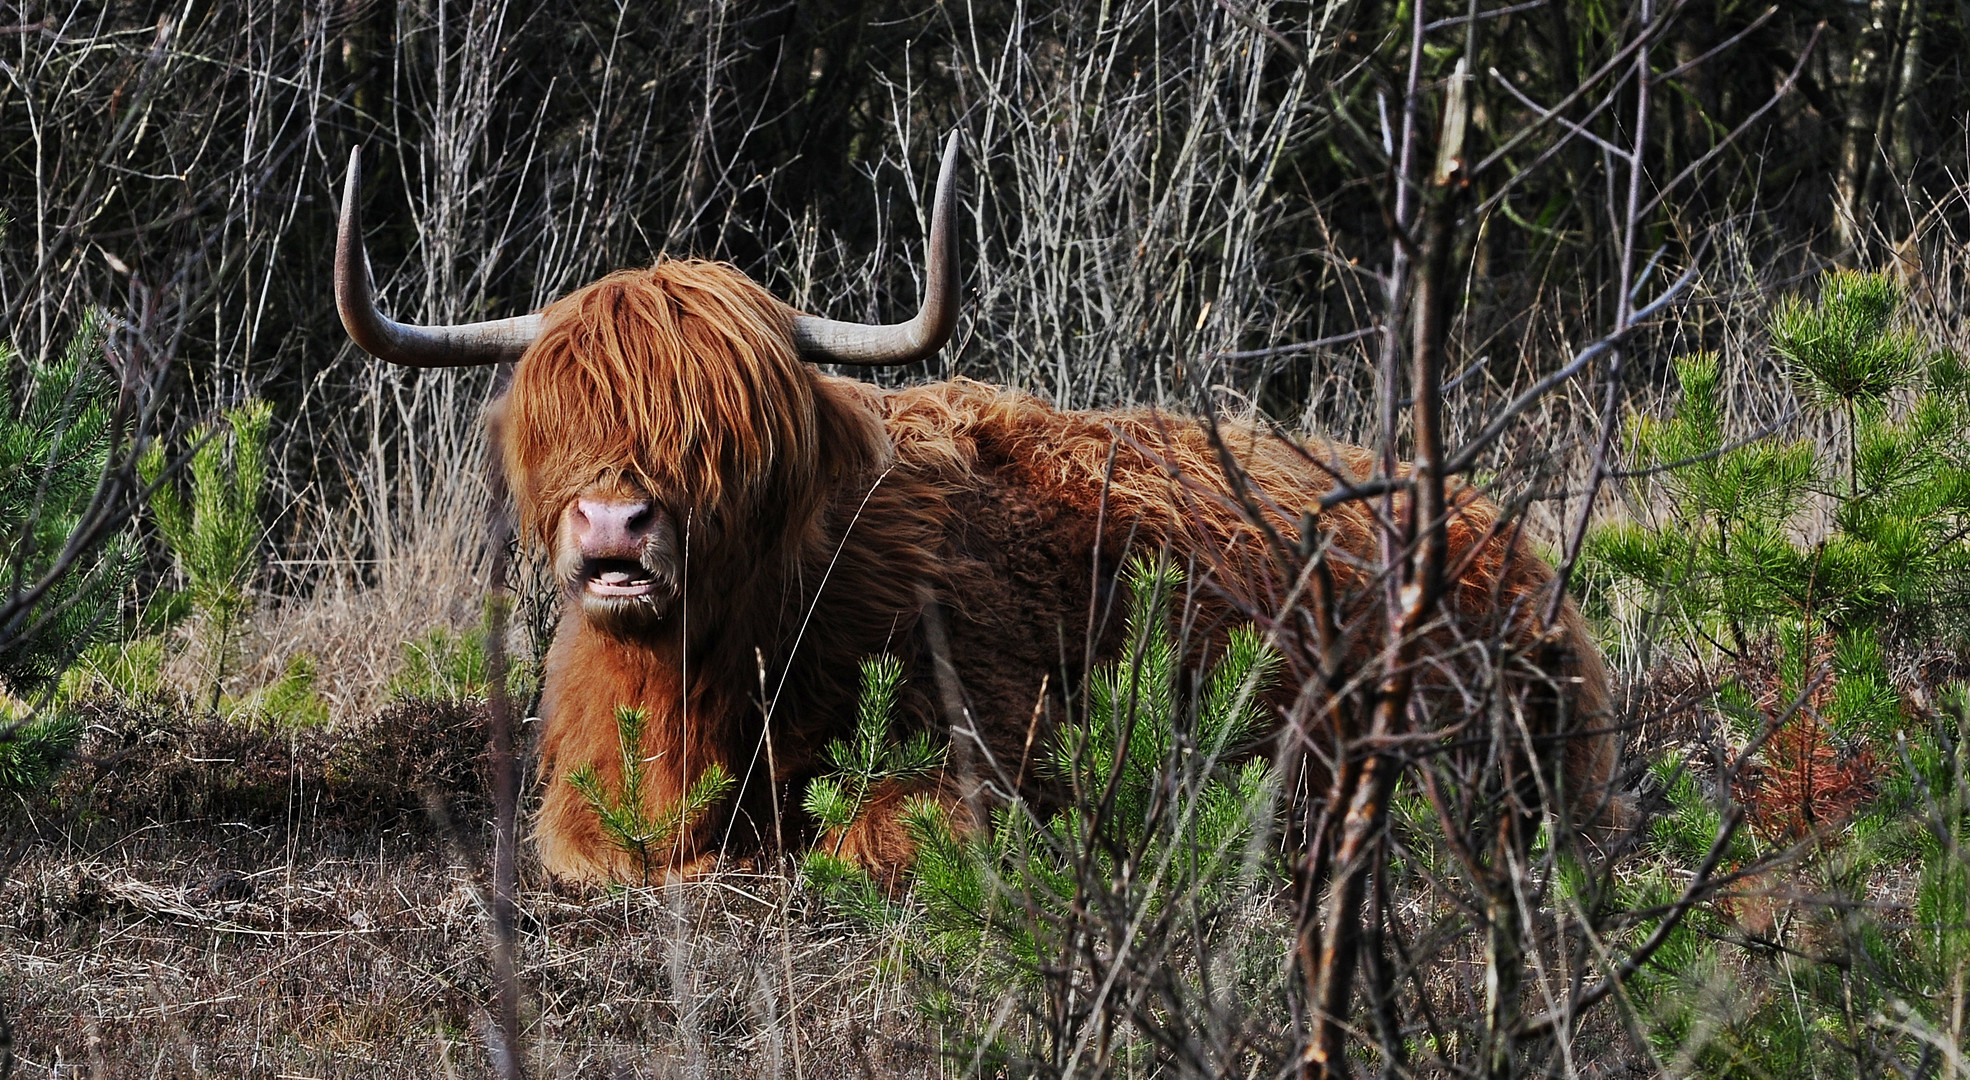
(217,903)
(360,576)
(357,634)
(145,960)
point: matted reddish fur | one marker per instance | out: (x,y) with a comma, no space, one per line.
(825,520)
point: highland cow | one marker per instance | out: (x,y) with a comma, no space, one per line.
(736,531)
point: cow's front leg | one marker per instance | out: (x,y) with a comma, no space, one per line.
(879,840)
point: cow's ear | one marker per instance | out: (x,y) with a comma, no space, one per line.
(495,421)
(504,512)
(848,427)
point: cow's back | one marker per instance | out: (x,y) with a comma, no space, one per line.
(1046,509)
(1047,506)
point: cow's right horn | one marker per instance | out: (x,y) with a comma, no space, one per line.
(415,346)
(828,341)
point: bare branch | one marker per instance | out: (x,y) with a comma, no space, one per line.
(1729,140)
(1460,20)
(1466,458)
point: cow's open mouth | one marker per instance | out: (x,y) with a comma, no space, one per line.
(617,578)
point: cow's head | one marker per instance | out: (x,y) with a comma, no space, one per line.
(657,412)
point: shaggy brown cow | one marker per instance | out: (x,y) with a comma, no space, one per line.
(737,531)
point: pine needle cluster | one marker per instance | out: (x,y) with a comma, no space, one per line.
(289,701)
(625,814)
(451,665)
(57,435)
(55,441)
(1738,559)
(1165,829)
(214,535)
(869,757)
(1166,810)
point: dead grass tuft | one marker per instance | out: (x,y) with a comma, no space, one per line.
(139,768)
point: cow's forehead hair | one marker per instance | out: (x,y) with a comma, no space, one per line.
(683,377)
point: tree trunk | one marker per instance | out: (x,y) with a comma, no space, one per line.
(1869,88)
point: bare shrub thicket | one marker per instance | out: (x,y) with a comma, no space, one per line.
(1168,207)
(1460,910)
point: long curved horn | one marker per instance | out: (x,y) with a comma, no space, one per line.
(828,341)
(466,345)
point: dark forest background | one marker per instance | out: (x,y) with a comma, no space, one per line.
(1163,200)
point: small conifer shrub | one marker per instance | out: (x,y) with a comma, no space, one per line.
(1792,572)
(34,745)
(1166,809)
(1162,848)
(451,665)
(290,701)
(1730,552)
(56,441)
(625,814)
(132,670)
(858,764)
(1737,564)
(214,534)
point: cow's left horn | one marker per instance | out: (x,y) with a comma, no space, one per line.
(465,345)
(828,341)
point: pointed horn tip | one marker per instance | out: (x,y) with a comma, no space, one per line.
(466,345)
(348,219)
(353,179)
(948,169)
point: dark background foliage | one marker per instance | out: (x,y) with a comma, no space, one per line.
(180,165)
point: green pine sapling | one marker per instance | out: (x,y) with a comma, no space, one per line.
(289,701)
(57,438)
(215,535)
(869,757)
(1848,351)
(451,665)
(859,764)
(55,441)
(625,814)
(1737,559)
(1181,830)
(1166,810)
(1794,572)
